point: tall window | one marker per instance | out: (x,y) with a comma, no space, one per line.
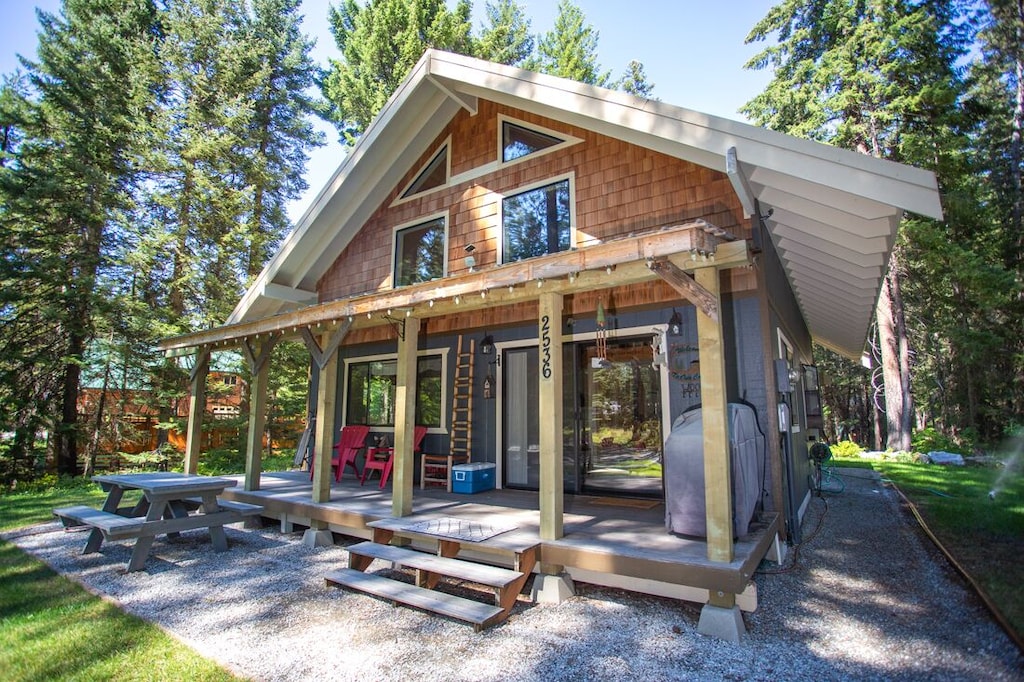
(517,141)
(370,392)
(536,222)
(419,253)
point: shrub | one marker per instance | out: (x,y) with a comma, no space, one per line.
(931,439)
(846,449)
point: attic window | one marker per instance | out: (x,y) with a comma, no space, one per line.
(434,174)
(518,141)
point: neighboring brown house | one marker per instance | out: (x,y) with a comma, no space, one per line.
(614,262)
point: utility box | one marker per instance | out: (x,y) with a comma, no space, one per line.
(472,478)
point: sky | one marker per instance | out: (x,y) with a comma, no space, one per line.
(692,50)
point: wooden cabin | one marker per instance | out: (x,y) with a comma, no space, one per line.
(600,265)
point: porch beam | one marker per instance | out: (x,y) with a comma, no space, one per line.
(614,263)
(196,408)
(260,370)
(405,419)
(326,396)
(550,410)
(717,483)
(676,278)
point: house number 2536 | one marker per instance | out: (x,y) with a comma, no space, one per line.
(545,346)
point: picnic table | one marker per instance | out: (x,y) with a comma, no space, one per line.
(170,503)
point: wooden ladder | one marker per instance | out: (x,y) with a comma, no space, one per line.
(438,468)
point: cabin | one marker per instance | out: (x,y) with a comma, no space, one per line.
(605,302)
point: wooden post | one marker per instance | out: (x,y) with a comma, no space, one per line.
(196,407)
(550,406)
(405,419)
(259,366)
(717,478)
(326,395)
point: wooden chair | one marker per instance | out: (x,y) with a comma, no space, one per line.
(383,459)
(440,468)
(352,439)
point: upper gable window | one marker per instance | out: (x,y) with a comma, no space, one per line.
(433,175)
(518,141)
(420,252)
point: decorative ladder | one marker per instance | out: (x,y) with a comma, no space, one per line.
(438,468)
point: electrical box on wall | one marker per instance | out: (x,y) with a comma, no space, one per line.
(782,384)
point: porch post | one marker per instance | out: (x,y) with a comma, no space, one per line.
(326,395)
(196,407)
(405,419)
(720,617)
(553,584)
(259,366)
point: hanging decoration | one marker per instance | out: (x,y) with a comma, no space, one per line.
(602,333)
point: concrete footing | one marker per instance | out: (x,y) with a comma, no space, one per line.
(552,589)
(318,538)
(723,623)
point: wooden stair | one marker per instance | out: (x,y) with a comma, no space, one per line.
(429,570)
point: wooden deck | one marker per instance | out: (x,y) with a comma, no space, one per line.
(607,542)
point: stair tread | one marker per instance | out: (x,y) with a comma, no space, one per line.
(493,576)
(460,608)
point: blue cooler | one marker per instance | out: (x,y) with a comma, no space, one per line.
(472,478)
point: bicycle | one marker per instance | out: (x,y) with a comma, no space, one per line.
(823,478)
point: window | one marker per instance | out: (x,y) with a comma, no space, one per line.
(536,222)
(434,174)
(518,141)
(420,253)
(370,392)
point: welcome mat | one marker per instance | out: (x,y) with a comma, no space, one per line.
(624,502)
(460,529)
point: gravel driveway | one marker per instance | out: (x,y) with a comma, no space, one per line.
(867,599)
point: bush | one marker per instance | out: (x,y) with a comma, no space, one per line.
(930,439)
(846,449)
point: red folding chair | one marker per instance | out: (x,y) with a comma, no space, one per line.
(383,459)
(352,440)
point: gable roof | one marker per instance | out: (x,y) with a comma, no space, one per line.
(834,213)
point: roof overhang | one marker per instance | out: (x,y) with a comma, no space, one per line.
(833,217)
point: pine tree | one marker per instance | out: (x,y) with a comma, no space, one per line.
(635,81)
(569,50)
(379,44)
(878,77)
(71,174)
(506,37)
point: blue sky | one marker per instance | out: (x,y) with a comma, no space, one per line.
(692,50)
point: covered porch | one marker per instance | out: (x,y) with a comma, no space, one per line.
(613,542)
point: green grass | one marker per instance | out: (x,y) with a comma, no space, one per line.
(986,536)
(52,629)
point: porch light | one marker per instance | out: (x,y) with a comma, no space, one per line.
(487,345)
(675,322)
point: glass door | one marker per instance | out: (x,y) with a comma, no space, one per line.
(520,419)
(620,442)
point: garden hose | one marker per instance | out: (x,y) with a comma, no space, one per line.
(985,599)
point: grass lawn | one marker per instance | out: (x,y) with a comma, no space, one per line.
(52,629)
(985,535)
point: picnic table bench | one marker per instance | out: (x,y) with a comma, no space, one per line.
(169,505)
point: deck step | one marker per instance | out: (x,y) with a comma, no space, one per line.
(481,574)
(479,614)
(112,525)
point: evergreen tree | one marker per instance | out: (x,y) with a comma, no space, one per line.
(878,77)
(635,81)
(569,50)
(70,176)
(506,37)
(379,44)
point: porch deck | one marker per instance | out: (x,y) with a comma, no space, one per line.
(620,543)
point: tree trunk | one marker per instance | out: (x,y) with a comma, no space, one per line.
(889,348)
(903,347)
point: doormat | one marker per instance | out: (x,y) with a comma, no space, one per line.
(624,502)
(460,529)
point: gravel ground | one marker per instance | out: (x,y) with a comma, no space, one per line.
(867,598)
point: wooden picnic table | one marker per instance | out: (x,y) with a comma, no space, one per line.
(170,503)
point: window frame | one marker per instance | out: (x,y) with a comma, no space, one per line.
(566,140)
(423,220)
(554,180)
(446,144)
(442,353)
